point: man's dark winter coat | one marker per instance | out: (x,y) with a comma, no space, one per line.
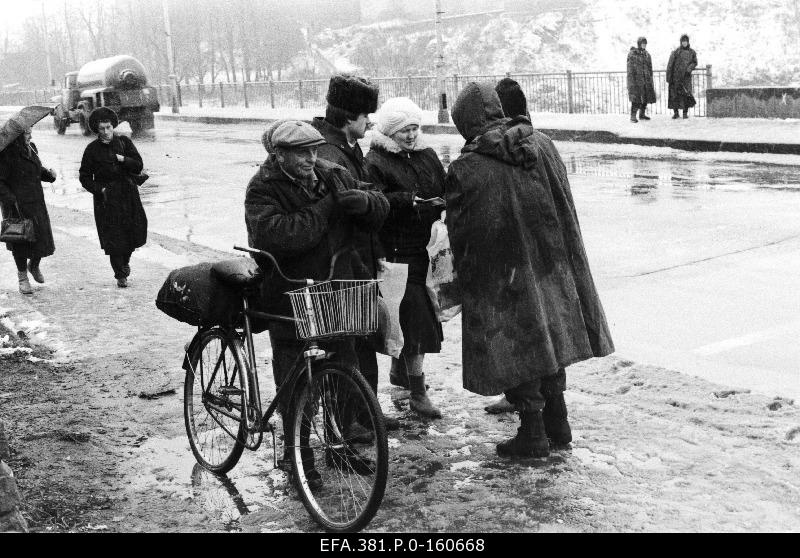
(337,150)
(303,230)
(530,306)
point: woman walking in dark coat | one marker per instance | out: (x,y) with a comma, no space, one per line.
(682,63)
(412,179)
(106,171)
(641,91)
(21,194)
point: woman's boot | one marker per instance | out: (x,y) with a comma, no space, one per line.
(633,113)
(419,401)
(531,438)
(24,285)
(642,115)
(555,421)
(686,113)
(397,374)
(675,114)
(33,267)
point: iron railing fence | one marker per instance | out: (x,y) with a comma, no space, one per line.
(561,92)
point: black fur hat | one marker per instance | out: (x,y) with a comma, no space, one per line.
(352,94)
(102,114)
(685,37)
(511,98)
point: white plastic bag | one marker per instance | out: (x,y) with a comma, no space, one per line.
(442,279)
(393,278)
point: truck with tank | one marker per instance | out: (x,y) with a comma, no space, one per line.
(119,83)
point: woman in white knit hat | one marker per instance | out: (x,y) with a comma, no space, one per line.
(412,179)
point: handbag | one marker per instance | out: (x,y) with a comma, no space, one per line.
(690,100)
(16,230)
(138,178)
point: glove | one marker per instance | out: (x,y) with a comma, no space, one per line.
(353,202)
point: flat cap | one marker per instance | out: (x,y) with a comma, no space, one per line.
(296,133)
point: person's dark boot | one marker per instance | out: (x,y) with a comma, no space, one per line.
(675,114)
(686,113)
(501,406)
(398,376)
(642,115)
(554,417)
(24,285)
(633,114)
(531,438)
(419,401)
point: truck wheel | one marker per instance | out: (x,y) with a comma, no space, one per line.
(85,125)
(141,122)
(59,122)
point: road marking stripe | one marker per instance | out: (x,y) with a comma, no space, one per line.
(748,339)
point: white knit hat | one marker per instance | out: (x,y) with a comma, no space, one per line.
(397,113)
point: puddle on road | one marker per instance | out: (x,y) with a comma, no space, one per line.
(168,467)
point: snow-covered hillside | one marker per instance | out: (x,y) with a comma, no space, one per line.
(746,42)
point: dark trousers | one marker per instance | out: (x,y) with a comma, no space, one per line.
(120,263)
(532,395)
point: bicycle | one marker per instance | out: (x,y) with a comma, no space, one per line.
(341,482)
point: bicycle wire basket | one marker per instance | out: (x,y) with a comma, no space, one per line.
(337,308)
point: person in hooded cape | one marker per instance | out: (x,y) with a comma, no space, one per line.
(530,306)
(680,66)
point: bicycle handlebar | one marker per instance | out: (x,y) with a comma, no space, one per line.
(280,271)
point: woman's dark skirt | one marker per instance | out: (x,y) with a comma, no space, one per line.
(422,332)
(44,245)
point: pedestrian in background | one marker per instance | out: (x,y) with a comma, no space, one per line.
(641,91)
(682,63)
(21,195)
(530,306)
(107,170)
(350,101)
(411,177)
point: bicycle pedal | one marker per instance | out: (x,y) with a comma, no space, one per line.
(230,390)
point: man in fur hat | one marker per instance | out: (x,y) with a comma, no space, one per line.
(351,100)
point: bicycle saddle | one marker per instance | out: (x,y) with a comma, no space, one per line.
(239,272)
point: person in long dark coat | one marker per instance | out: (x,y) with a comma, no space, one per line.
(409,172)
(641,91)
(21,195)
(350,101)
(303,209)
(682,63)
(106,171)
(530,306)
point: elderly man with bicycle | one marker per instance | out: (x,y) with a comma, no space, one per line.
(303,210)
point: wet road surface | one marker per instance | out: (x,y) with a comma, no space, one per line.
(696,254)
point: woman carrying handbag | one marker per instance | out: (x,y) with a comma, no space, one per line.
(22,198)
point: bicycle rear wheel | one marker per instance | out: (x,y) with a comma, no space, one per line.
(215,402)
(352,475)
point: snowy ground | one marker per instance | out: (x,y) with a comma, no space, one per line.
(655,449)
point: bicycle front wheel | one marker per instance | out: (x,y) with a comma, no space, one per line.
(341,480)
(215,401)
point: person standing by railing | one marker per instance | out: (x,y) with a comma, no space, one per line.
(682,63)
(641,91)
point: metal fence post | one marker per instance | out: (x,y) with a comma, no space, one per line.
(221,96)
(244,92)
(300,91)
(200,89)
(708,76)
(409,86)
(271,93)
(180,99)
(570,103)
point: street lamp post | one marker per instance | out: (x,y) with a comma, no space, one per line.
(173,79)
(444,117)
